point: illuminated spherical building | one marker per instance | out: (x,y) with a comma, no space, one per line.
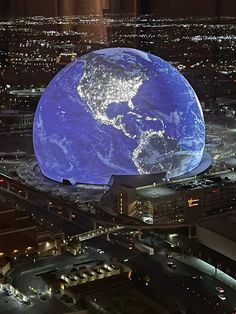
(117,111)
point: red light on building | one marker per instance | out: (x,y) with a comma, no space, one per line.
(215,190)
(2,181)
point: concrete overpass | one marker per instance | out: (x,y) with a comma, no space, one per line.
(68,211)
(96,233)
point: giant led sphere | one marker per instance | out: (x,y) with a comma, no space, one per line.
(117,111)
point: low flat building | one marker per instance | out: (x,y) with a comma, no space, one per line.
(20,235)
(15,120)
(218,234)
(4,267)
(49,241)
(79,282)
(17,232)
(111,298)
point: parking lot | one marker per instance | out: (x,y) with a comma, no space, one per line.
(9,303)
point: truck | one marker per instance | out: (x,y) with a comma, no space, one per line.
(144,248)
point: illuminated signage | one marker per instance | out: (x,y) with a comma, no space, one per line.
(193,202)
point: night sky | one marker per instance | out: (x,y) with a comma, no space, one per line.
(162,8)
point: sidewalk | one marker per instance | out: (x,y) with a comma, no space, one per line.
(207,269)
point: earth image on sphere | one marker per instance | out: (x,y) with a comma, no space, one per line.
(118,111)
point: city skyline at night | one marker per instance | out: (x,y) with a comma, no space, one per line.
(102,207)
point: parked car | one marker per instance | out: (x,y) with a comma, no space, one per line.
(222,297)
(171,265)
(196,276)
(7,291)
(220,290)
(169,255)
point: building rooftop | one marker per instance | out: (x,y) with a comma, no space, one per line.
(13,113)
(155,192)
(136,180)
(134,299)
(5,209)
(174,186)
(17,229)
(224,225)
(5,205)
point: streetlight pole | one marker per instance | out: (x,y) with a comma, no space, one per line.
(216,268)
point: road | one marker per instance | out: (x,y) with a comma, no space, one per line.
(69,227)
(198,295)
(26,274)
(9,304)
(43,198)
(179,283)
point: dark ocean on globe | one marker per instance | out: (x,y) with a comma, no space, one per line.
(118,111)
